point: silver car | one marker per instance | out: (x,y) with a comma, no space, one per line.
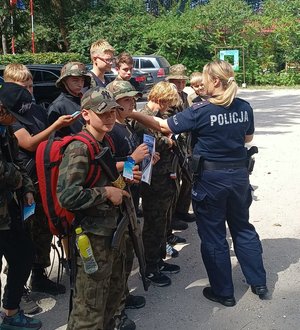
(157,65)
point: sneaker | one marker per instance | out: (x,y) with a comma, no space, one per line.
(134,302)
(126,323)
(41,283)
(187,217)
(166,268)
(177,224)
(174,239)
(158,279)
(171,252)
(28,305)
(20,322)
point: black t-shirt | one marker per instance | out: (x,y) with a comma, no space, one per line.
(65,104)
(37,116)
(125,139)
(218,132)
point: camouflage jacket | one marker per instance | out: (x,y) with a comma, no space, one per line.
(11,173)
(165,164)
(99,215)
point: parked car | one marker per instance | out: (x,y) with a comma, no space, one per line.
(156,65)
(46,75)
(141,81)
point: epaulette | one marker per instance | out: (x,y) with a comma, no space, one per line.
(238,98)
(200,105)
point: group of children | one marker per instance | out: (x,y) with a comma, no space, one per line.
(101,298)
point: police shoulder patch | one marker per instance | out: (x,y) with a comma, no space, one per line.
(200,105)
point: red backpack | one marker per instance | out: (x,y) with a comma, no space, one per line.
(48,158)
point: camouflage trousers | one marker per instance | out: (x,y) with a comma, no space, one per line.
(157,200)
(129,257)
(38,230)
(97,296)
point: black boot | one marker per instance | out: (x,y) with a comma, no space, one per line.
(40,282)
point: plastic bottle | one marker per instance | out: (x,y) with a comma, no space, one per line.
(86,252)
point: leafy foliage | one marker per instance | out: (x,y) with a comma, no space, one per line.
(179,30)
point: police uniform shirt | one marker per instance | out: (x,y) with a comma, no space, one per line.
(218,132)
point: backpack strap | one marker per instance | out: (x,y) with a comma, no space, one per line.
(110,143)
(94,149)
(48,164)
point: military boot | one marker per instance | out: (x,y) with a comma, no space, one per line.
(40,282)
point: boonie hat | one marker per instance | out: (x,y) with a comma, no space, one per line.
(99,99)
(73,69)
(177,71)
(122,88)
(16,100)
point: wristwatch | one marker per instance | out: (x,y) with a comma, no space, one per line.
(131,160)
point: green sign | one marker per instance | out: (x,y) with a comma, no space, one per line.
(232,57)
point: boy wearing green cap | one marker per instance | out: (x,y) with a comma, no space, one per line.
(97,295)
(127,144)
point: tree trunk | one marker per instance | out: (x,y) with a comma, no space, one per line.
(4,44)
(58,5)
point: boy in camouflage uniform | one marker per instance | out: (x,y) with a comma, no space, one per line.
(178,77)
(15,189)
(97,295)
(127,146)
(157,198)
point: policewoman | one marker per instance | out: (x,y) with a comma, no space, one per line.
(221,192)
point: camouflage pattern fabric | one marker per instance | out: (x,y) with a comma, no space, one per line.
(38,230)
(183,201)
(122,88)
(100,217)
(129,257)
(157,201)
(11,173)
(177,71)
(99,100)
(73,69)
(164,166)
(98,295)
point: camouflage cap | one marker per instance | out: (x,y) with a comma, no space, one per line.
(122,88)
(177,71)
(75,69)
(99,99)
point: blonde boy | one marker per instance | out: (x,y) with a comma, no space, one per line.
(19,74)
(102,57)
(196,82)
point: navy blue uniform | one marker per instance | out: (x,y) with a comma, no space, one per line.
(223,193)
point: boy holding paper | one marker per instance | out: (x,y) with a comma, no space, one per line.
(157,198)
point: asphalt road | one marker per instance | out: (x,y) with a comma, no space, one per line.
(275,214)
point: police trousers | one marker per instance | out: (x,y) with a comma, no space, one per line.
(98,295)
(222,196)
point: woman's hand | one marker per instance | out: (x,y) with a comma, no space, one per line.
(140,153)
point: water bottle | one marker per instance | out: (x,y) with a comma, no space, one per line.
(86,252)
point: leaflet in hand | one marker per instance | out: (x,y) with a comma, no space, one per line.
(28,211)
(147,163)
